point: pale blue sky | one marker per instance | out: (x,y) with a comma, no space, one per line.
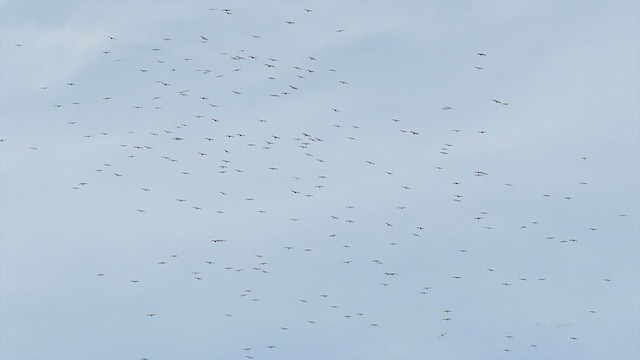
(390,218)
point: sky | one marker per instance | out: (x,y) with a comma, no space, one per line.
(319,180)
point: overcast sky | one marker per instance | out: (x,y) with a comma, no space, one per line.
(319,180)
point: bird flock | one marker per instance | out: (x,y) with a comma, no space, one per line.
(261,196)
